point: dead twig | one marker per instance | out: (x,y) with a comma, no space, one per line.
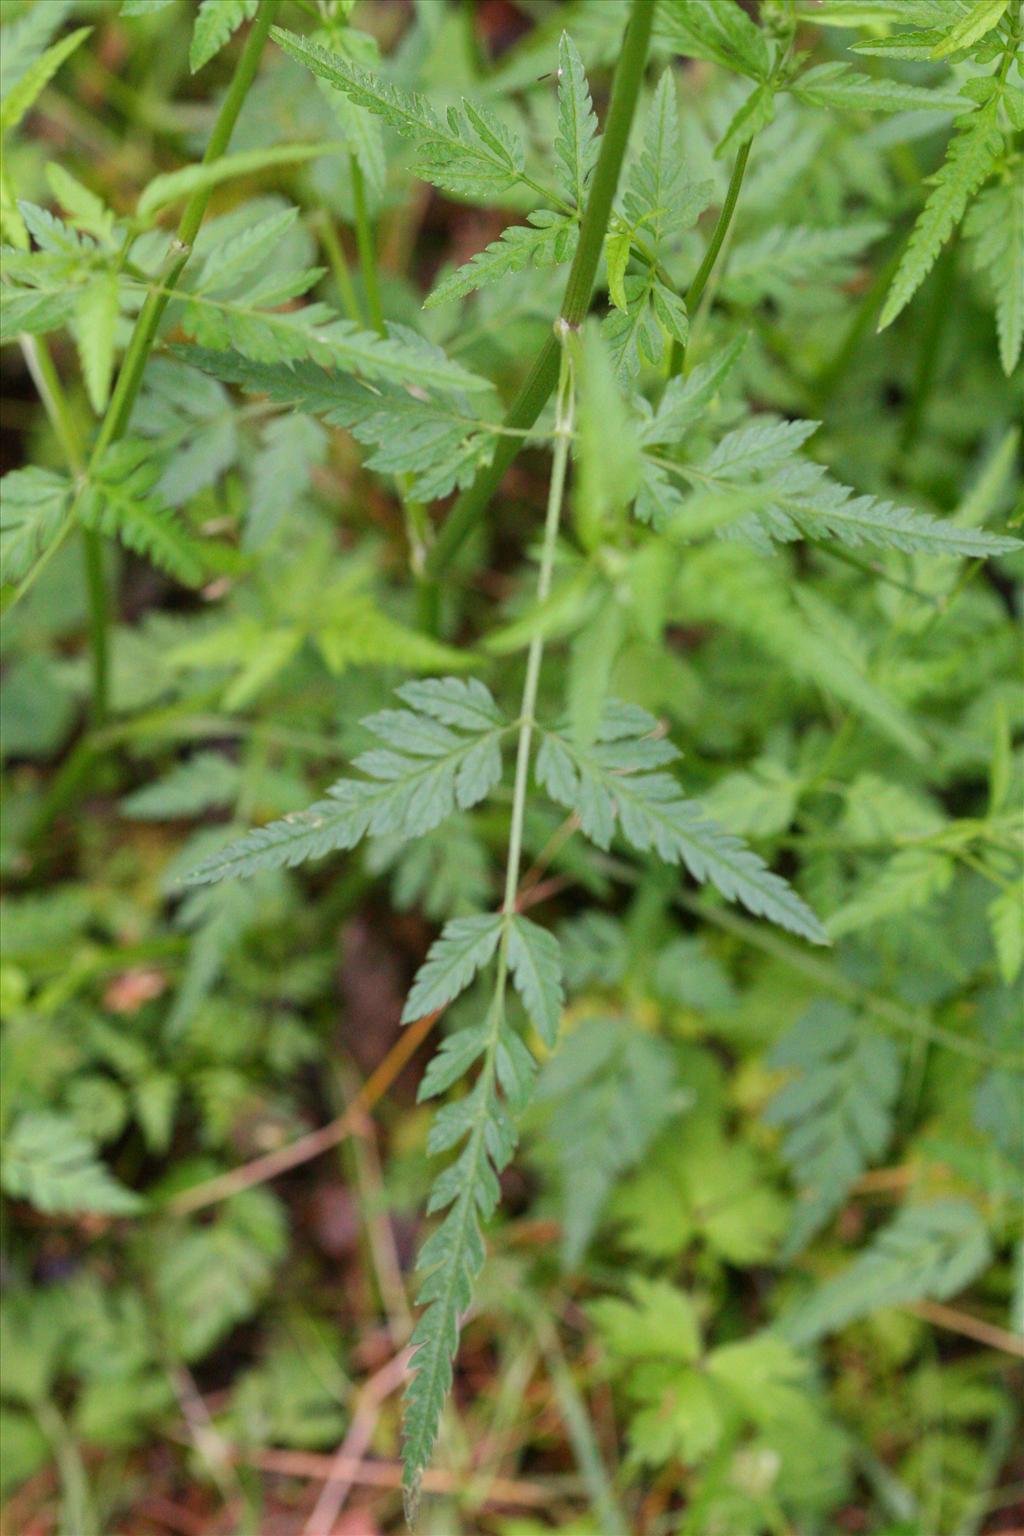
(505,1491)
(271,1164)
(970,1327)
(348,1459)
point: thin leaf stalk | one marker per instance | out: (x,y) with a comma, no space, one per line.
(677,357)
(543,375)
(564,412)
(129,379)
(46,379)
(339,268)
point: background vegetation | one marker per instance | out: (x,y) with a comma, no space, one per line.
(285,421)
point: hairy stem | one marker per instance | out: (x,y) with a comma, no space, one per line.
(543,375)
(677,357)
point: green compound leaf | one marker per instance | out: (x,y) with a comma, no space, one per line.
(837,1110)
(789,497)
(535,962)
(994,229)
(576,142)
(441,754)
(619,783)
(548,239)
(468,151)
(216,22)
(121,499)
(48,1162)
(464,948)
(838,85)
(973,152)
(34,503)
(928,1251)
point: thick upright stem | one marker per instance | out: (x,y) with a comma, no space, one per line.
(696,289)
(543,375)
(563,437)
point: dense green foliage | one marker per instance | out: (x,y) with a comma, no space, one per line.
(676,773)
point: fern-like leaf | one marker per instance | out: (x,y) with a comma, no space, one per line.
(34,503)
(928,1251)
(48,1162)
(619,782)
(836,1113)
(546,240)
(468,151)
(214,25)
(837,85)
(464,948)
(791,498)
(612,1090)
(973,152)
(425,769)
(120,500)
(434,441)
(971,27)
(316,332)
(576,142)
(722,34)
(535,963)
(657,194)
(994,228)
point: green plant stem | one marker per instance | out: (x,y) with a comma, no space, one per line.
(129,378)
(527,721)
(365,245)
(475,1154)
(677,356)
(339,268)
(46,379)
(77,1513)
(543,375)
(99,625)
